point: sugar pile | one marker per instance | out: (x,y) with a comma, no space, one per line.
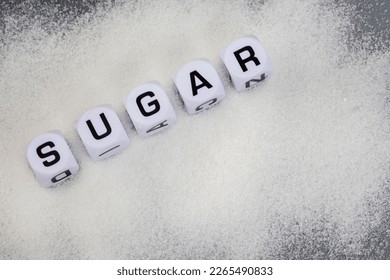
(295,168)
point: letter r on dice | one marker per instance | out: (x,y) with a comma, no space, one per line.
(247,62)
(199,85)
(51,159)
(102,132)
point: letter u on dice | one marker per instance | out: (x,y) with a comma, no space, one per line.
(102,133)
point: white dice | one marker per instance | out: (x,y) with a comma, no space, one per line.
(149,109)
(199,85)
(247,62)
(51,159)
(102,132)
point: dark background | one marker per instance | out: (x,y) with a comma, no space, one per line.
(372,17)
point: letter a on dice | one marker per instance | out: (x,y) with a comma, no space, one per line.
(102,132)
(149,109)
(247,62)
(51,159)
(199,85)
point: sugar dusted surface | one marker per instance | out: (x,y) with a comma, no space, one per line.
(295,168)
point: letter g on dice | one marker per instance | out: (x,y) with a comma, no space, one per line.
(149,109)
(247,62)
(51,159)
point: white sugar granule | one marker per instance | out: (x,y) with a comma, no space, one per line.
(295,168)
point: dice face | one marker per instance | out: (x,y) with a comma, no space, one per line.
(247,62)
(102,132)
(149,109)
(199,85)
(51,159)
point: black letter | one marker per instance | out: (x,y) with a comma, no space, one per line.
(160,125)
(193,84)
(251,57)
(248,83)
(152,103)
(67,174)
(211,102)
(50,153)
(122,271)
(106,124)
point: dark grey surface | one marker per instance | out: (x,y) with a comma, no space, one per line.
(371,17)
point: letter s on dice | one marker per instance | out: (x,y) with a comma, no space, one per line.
(50,158)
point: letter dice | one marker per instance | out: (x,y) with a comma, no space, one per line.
(199,85)
(102,132)
(51,159)
(149,109)
(247,62)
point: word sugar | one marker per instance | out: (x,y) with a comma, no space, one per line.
(150,110)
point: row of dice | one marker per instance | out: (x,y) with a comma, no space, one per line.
(150,110)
